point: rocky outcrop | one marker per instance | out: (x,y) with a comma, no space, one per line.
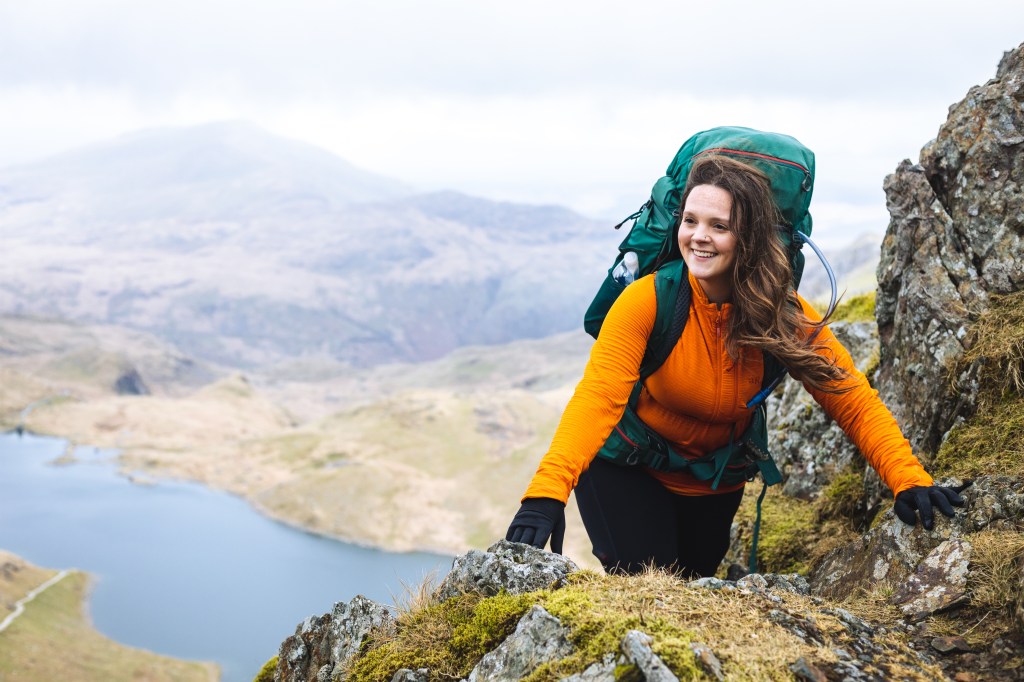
(833,643)
(954,240)
(321,643)
(929,566)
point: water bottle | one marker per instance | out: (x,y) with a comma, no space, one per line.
(627,269)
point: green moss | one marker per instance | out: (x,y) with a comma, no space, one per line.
(628,673)
(857,309)
(447,638)
(266,673)
(789,529)
(597,623)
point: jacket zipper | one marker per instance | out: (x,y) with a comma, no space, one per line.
(766,157)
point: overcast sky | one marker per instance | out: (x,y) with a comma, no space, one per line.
(580,103)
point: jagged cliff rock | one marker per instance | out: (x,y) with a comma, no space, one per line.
(954,240)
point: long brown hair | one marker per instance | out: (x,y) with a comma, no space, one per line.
(766,314)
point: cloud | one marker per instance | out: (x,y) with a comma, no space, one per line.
(571,100)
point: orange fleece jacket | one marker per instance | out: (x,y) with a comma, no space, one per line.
(694,399)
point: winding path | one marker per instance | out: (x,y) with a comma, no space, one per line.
(19,606)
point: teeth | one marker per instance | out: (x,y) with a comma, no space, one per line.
(704,254)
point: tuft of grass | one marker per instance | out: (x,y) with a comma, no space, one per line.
(856,309)
(991,440)
(996,564)
(996,340)
(843,498)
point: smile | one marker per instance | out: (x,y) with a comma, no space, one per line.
(703,254)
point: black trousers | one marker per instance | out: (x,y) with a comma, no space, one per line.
(633,522)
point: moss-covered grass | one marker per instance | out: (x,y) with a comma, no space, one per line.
(796,533)
(992,440)
(856,309)
(448,638)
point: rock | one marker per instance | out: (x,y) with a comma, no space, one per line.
(893,551)
(602,671)
(407,675)
(510,566)
(713,584)
(707,660)
(538,638)
(636,647)
(790,582)
(326,641)
(951,645)
(807,672)
(808,447)
(754,581)
(954,239)
(130,383)
(938,583)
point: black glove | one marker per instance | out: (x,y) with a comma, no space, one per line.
(923,498)
(538,519)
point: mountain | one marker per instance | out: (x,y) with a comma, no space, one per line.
(245,249)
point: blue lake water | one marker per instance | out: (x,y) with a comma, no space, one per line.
(182,570)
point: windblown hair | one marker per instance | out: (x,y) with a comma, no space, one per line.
(766,314)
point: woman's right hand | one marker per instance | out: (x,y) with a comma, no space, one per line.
(538,519)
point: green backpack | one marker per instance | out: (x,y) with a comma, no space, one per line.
(787,163)
(790,167)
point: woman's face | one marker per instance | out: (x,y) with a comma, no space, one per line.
(707,240)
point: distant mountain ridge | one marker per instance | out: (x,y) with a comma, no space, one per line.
(244,249)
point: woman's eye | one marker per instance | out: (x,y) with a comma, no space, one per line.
(723,228)
(689,221)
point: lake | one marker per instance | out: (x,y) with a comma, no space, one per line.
(180,569)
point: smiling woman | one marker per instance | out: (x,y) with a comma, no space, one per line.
(707,242)
(659,458)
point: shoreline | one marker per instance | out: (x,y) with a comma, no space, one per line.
(156,475)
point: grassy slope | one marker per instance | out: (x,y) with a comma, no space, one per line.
(54,640)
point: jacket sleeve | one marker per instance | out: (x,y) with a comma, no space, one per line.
(601,395)
(866,420)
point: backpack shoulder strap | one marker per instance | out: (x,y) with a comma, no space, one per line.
(672,288)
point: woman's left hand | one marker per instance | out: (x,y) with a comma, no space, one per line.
(922,499)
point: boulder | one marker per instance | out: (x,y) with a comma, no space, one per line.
(538,638)
(510,566)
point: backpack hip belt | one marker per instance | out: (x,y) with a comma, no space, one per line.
(634,443)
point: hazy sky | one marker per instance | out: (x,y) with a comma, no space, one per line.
(583,103)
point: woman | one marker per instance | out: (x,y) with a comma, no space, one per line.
(742,307)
